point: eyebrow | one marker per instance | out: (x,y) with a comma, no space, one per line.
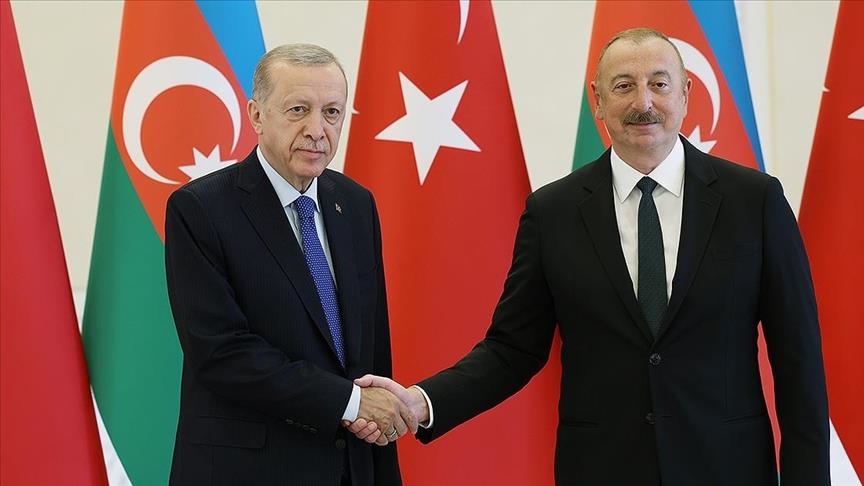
(660,72)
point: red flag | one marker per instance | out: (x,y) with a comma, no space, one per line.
(48,433)
(434,137)
(833,228)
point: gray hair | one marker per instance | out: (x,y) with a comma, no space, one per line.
(638,36)
(292,54)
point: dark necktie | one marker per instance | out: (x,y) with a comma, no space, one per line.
(652,266)
(320,271)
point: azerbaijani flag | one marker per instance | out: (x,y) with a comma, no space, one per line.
(184,73)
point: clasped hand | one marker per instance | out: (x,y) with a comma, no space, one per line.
(388,410)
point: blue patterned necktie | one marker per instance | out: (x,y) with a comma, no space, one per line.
(320,271)
(652,265)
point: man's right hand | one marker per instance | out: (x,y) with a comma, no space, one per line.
(412,397)
(381,407)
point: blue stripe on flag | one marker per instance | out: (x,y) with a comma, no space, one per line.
(236,27)
(720,26)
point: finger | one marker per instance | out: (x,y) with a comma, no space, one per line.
(358,425)
(370,429)
(382,441)
(375,437)
(364,381)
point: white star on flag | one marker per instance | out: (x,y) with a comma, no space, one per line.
(428,124)
(205,164)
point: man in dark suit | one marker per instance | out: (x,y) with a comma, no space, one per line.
(277,288)
(656,262)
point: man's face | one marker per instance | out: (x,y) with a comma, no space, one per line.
(641,97)
(299,122)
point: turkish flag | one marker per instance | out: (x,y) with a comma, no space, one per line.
(49,433)
(434,137)
(833,229)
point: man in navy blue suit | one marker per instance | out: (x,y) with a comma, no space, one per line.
(276,283)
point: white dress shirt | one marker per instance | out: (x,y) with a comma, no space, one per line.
(287,195)
(669,199)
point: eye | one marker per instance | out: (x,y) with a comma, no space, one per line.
(622,86)
(296,110)
(332,112)
(661,84)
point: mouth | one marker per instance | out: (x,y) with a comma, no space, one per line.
(311,152)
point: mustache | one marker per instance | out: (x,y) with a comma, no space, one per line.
(650,116)
(317,147)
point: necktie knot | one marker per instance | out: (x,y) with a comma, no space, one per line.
(646,185)
(305,207)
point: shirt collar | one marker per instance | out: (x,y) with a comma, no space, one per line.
(286,193)
(669,174)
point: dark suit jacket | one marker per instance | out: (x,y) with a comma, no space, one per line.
(263,392)
(688,407)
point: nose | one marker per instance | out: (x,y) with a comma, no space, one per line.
(643,100)
(314,127)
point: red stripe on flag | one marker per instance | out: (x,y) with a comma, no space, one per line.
(49,433)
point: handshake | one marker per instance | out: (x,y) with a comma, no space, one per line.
(387,410)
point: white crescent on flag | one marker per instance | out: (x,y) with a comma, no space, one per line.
(157,78)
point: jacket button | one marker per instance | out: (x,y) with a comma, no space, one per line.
(289,421)
(649,418)
(340,443)
(654,359)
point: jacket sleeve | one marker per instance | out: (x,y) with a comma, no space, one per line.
(791,325)
(219,349)
(516,345)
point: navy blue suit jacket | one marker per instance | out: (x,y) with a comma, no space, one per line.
(263,392)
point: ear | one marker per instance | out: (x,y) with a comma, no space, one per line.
(253,109)
(598,105)
(687,86)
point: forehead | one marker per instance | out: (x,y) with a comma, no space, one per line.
(646,58)
(326,81)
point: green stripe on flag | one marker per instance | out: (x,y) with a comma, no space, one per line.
(589,145)
(132,349)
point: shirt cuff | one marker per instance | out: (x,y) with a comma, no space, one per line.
(426,425)
(353,407)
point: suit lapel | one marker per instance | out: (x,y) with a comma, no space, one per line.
(598,212)
(339,235)
(699,212)
(267,216)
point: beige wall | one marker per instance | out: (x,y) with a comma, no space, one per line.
(70,49)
